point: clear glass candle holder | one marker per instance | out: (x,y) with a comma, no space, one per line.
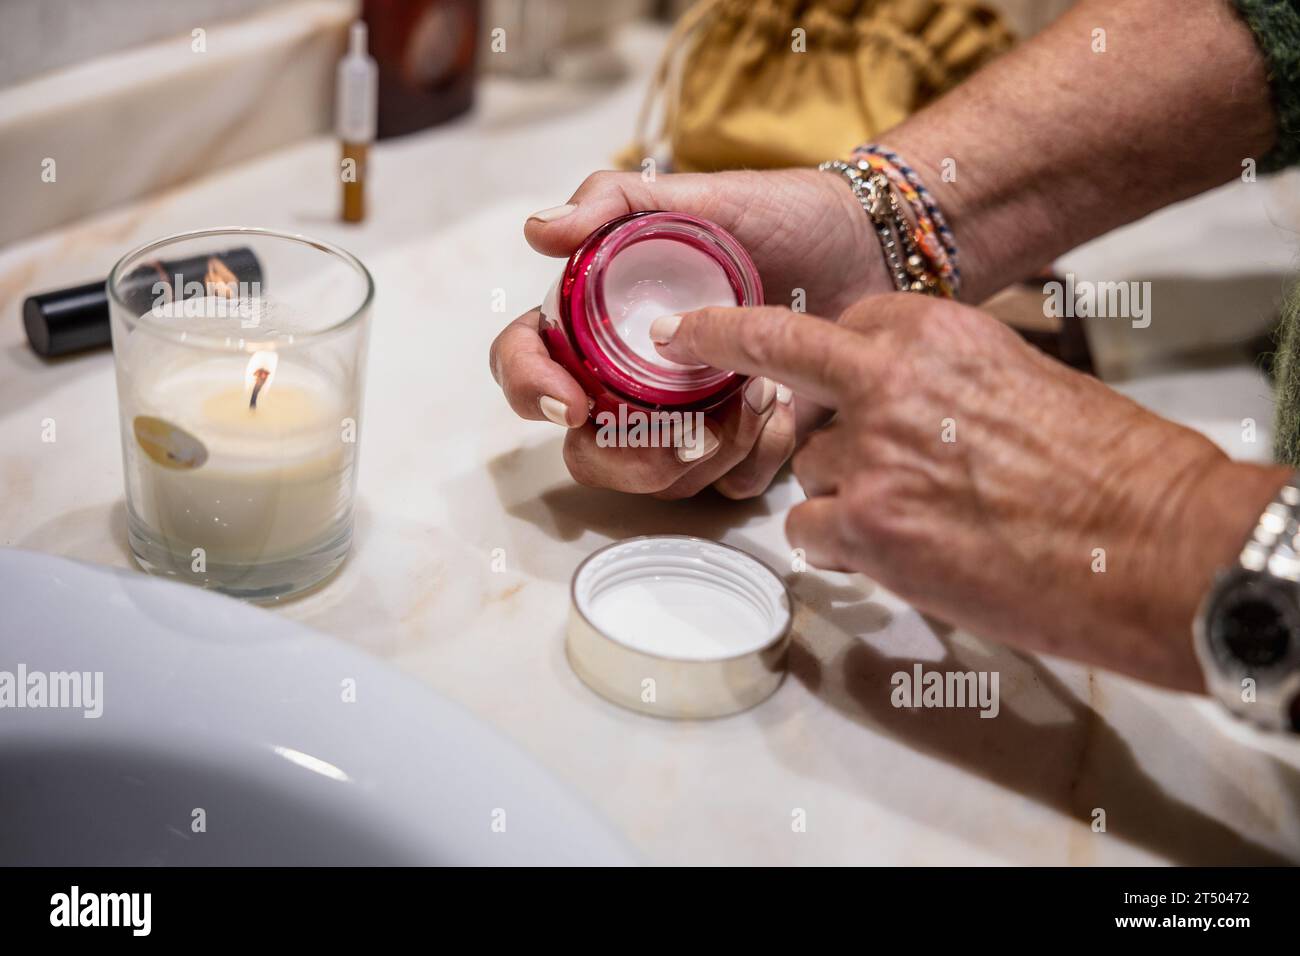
(240,358)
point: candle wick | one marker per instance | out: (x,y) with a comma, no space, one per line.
(261,375)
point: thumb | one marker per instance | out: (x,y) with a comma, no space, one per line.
(606,195)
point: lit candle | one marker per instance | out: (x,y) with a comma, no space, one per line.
(239,414)
(274,477)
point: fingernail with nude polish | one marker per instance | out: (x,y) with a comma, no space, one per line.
(554,213)
(554,410)
(664,328)
(784,395)
(702,447)
(759,394)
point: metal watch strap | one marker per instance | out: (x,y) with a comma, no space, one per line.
(1274,546)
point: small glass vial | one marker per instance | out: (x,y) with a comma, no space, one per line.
(632,270)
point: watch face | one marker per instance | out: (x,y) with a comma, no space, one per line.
(1247,637)
(1253,624)
(1253,631)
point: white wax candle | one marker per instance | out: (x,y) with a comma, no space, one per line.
(276,480)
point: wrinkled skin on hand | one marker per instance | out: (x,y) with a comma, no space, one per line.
(991,486)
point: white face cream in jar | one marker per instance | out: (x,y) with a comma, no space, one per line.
(629,272)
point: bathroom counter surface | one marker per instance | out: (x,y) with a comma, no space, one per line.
(469,530)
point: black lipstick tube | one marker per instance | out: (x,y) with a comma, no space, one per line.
(75,319)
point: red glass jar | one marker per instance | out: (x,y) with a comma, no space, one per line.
(629,272)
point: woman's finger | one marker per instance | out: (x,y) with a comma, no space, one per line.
(740,426)
(774,446)
(535,385)
(817,527)
(818,465)
(641,471)
(814,357)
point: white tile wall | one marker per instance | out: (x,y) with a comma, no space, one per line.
(37,36)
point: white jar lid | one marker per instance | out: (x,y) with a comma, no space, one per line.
(678,626)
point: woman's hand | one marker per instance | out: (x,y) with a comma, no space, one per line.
(811,243)
(992,486)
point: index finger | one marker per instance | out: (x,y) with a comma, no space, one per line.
(816,358)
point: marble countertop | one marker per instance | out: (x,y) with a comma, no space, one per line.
(449,475)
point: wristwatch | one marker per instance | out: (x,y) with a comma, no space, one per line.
(1247,630)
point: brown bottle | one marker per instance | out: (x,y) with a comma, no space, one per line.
(426,52)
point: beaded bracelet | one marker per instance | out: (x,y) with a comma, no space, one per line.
(925,232)
(929,216)
(910,270)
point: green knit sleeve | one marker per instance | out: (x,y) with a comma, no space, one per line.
(1286,375)
(1276,25)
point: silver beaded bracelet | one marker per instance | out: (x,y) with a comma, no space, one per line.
(907,267)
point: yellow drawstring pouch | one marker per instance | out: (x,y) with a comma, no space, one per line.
(772,83)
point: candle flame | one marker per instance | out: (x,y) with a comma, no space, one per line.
(257,378)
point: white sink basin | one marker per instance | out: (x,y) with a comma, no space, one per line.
(225,738)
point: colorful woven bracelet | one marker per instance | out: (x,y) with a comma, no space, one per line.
(918,198)
(925,233)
